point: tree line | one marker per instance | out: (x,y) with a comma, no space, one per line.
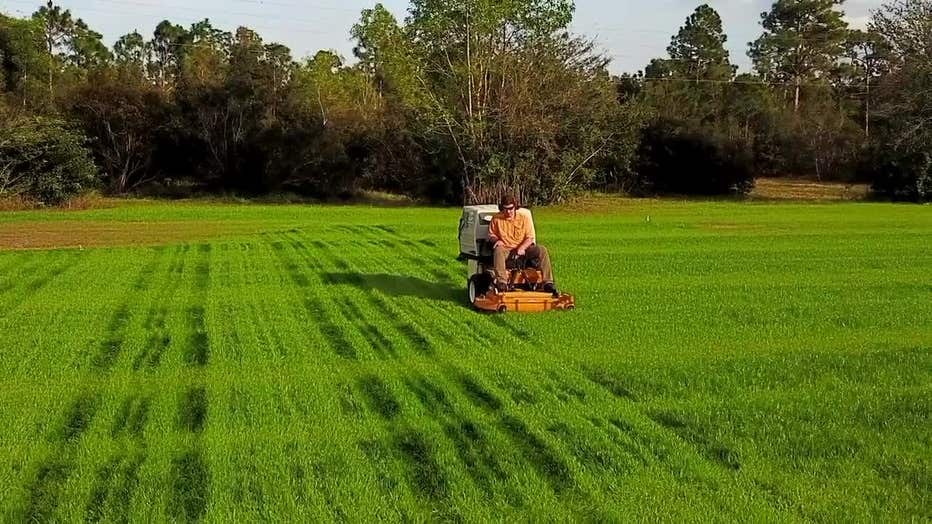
(463,101)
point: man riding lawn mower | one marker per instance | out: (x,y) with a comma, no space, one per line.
(508,271)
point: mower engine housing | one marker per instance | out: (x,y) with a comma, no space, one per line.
(474,231)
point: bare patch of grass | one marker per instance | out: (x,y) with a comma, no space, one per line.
(87,233)
(84,202)
(790,189)
(16,203)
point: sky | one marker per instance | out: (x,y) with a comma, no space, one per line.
(631,32)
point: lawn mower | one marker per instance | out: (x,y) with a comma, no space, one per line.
(524,290)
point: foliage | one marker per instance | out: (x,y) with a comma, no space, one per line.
(123,115)
(22,60)
(44,160)
(687,86)
(760,114)
(463,101)
(72,48)
(498,96)
(692,162)
(698,49)
(899,165)
(905,107)
(899,175)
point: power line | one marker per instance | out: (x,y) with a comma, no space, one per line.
(177,7)
(298,5)
(745,82)
(262,3)
(251,2)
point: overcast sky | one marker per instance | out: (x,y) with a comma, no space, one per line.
(631,32)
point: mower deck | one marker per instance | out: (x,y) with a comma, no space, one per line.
(523,301)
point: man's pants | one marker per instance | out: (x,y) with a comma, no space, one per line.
(535,251)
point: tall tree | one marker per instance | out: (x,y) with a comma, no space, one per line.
(87,47)
(203,53)
(464,50)
(386,55)
(866,60)
(905,27)
(802,41)
(697,53)
(22,57)
(167,47)
(131,50)
(203,33)
(69,43)
(59,28)
(698,49)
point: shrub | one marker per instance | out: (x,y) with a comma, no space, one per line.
(899,175)
(675,161)
(45,160)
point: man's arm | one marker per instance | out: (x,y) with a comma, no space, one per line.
(493,234)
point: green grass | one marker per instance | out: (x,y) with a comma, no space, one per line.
(726,361)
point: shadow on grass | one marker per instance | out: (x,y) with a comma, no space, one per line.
(400,285)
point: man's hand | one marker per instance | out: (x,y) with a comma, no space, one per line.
(497,244)
(522,249)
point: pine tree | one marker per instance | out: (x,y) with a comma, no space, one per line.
(698,49)
(802,40)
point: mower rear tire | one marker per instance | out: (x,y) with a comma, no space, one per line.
(477,286)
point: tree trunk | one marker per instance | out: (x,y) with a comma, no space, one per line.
(51,93)
(469,80)
(796,101)
(867,109)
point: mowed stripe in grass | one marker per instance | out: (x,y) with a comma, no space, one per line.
(760,361)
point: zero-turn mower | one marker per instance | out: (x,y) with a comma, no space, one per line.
(524,290)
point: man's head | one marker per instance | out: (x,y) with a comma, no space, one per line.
(508,205)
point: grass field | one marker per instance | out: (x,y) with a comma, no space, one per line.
(752,362)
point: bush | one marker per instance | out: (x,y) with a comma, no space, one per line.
(44,159)
(899,175)
(674,161)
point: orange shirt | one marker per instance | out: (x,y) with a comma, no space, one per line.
(515,231)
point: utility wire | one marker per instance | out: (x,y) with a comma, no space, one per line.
(304,27)
(264,4)
(743,82)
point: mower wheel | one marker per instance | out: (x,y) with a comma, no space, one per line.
(477,286)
